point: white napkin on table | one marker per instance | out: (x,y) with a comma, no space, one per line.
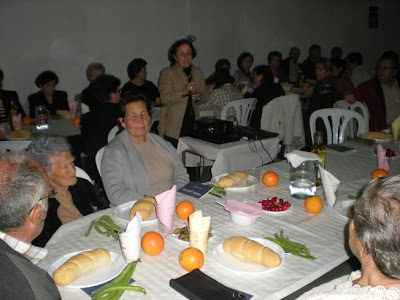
(135,224)
(297,157)
(330,185)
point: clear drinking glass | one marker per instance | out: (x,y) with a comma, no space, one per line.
(302,180)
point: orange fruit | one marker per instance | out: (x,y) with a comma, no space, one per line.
(152,243)
(306,87)
(76,121)
(184,210)
(379,173)
(26,120)
(270,179)
(314,204)
(191,258)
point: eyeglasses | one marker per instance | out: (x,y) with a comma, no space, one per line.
(183,54)
(51,194)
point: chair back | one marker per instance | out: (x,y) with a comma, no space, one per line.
(82,174)
(99,157)
(6,146)
(336,121)
(358,107)
(243,108)
(112,133)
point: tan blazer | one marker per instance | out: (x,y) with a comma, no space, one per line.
(170,85)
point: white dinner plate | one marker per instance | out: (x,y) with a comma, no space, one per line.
(277,212)
(378,140)
(343,207)
(230,263)
(251,181)
(121,212)
(94,277)
(175,237)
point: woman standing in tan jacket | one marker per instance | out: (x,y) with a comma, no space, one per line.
(181,88)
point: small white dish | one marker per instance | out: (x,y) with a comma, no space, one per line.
(343,207)
(230,263)
(277,212)
(251,182)
(242,220)
(175,237)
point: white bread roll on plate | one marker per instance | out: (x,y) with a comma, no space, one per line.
(250,251)
(80,264)
(233,178)
(145,206)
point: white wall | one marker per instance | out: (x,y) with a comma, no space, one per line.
(65,36)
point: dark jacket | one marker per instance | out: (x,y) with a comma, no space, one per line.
(22,280)
(89,98)
(60,102)
(83,196)
(6,97)
(149,90)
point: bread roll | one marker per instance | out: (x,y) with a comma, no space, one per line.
(145,206)
(377,135)
(250,251)
(232,179)
(80,264)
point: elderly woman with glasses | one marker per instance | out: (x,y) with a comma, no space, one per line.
(71,197)
(374,240)
(138,163)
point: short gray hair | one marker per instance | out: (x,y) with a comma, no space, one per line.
(21,186)
(47,146)
(376,221)
(94,66)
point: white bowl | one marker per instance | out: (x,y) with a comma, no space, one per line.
(286,87)
(242,220)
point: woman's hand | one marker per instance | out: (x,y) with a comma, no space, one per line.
(190,87)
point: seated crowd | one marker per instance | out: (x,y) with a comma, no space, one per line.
(140,162)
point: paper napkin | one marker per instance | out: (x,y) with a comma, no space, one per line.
(330,185)
(244,208)
(382,160)
(297,157)
(166,207)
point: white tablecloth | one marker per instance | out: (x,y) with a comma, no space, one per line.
(323,233)
(240,155)
(63,127)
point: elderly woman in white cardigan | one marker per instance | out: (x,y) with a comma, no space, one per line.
(138,163)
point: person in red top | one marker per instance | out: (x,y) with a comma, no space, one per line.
(372,92)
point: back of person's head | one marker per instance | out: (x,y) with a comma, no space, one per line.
(103,86)
(22,186)
(135,66)
(174,47)
(313,47)
(242,57)
(221,77)
(265,71)
(94,66)
(45,77)
(326,63)
(222,63)
(336,53)
(376,222)
(272,54)
(355,57)
(131,97)
(46,146)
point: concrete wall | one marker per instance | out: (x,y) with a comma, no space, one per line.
(64,36)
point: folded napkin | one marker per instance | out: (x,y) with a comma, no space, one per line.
(297,157)
(166,207)
(73,108)
(382,160)
(244,208)
(16,120)
(134,225)
(199,223)
(396,128)
(330,185)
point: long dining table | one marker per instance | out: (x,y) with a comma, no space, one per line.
(323,233)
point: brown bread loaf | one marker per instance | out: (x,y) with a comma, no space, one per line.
(145,206)
(232,179)
(250,251)
(80,264)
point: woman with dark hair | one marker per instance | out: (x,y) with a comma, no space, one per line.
(6,99)
(138,163)
(47,96)
(181,87)
(137,74)
(244,63)
(341,81)
(264,89)
(374,240)
(274,62)
(223,93)
(358,74)
(221,63)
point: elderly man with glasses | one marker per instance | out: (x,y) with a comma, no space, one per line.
(23,208)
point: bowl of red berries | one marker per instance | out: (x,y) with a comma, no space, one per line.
(275,205)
